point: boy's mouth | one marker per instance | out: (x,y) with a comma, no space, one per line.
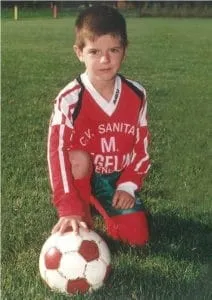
(105,70)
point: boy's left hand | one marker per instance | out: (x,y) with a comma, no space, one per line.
(123,200)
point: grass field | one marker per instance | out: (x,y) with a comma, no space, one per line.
(172,58)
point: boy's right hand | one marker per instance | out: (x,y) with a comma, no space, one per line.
(70,221)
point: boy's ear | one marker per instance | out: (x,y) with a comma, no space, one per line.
(78,53)
(125,53)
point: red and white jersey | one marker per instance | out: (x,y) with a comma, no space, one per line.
(115,134)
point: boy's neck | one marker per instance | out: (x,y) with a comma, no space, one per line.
(104,87)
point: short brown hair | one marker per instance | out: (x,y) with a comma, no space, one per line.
(99,20)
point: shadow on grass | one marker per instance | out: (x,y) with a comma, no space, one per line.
(174,236)
(181,238)
(141,284)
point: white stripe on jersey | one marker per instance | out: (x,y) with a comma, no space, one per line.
(142,116)
(56,118)
(64,104)
(48,158)
(145,158)
(68,100)
(138,85)
(62,160)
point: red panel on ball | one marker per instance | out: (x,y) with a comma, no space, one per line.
(79,285)
(52,258)
(89,250)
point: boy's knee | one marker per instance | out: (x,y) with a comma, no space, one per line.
(81,164)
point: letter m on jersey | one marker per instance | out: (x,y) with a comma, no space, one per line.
(108,145)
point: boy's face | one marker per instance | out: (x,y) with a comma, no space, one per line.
(102,57)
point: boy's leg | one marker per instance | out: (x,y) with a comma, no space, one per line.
(81,170)
(128,225)
(131,228)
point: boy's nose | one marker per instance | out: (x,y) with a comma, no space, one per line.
(105,58)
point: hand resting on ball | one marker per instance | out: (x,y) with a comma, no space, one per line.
(69,221)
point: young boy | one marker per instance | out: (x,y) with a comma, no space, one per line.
(98,136)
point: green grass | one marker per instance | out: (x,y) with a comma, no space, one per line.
(172,58)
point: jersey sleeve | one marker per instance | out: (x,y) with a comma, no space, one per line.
(65,196)
(134,174)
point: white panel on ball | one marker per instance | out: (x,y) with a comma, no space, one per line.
(72,265)
(95,272)
(42,267)
(97,286)
(104,252)
(55,280)
(69,242)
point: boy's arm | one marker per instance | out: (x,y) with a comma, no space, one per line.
(132,177)
(65,196)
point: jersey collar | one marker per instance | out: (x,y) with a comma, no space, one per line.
(107,107)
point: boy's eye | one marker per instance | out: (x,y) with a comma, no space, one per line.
(93,51)
(114,50)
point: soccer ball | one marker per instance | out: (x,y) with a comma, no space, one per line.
(72,264)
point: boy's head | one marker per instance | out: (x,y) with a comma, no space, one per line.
(100,20)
